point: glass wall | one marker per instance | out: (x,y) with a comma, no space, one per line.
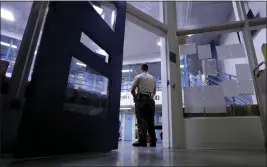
(151,8)
(192,14)
(14,17)
(216,70)
(216,67)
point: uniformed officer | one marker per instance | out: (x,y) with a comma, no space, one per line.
(144,106)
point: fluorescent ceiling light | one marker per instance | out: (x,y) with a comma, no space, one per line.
(81,64)
(98,9)
(7,44)
(181,66)
(125,108)
(5,14)
(14,46)
(112,18)
(127,70)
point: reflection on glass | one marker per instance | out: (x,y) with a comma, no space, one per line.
(151,8)
(90,44)
(107,11)
(87,90)
(14,17)
(198,14)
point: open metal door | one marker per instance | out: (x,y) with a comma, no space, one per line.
(60,117)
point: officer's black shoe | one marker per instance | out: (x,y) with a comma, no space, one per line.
(139,144)
(153,144)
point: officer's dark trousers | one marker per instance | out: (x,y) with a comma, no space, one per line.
(145,112)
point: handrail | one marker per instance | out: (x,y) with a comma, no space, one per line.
(198,79)
(249,98)
(236,98)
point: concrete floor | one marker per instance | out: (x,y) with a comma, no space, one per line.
(129,156)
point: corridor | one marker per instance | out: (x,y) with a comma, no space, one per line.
(129,156)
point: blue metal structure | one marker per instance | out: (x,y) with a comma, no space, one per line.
(86,121)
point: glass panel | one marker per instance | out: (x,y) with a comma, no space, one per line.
(14,17)
(87,90)
(259,39)
(107,11)
(151,8)
(199,14)
(255,10)
(215,69)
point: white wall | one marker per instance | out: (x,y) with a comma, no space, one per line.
(224,133)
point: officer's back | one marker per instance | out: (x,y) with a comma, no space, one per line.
(146,83)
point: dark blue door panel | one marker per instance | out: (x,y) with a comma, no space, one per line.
(54,124)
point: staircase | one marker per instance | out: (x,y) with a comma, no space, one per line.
(195,80)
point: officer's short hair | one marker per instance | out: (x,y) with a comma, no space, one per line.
(144,67)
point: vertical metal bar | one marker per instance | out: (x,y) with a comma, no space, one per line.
(175,115)
(252,58)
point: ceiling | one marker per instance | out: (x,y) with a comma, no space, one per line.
(21,11)
(140,44)
(143,47)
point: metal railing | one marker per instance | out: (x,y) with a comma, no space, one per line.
(215,80)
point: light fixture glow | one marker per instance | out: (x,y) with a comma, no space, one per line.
(159,43)
(190,35)
(127,70)
(81,64)
(14,46)
(7,44)
(181,66)
(112,18)
(98,9)
(125,108)
(5,14)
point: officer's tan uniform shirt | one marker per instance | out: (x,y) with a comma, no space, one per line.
(145,83)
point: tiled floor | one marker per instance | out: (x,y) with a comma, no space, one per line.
(128,156)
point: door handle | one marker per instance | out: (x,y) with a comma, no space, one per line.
(173,86)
